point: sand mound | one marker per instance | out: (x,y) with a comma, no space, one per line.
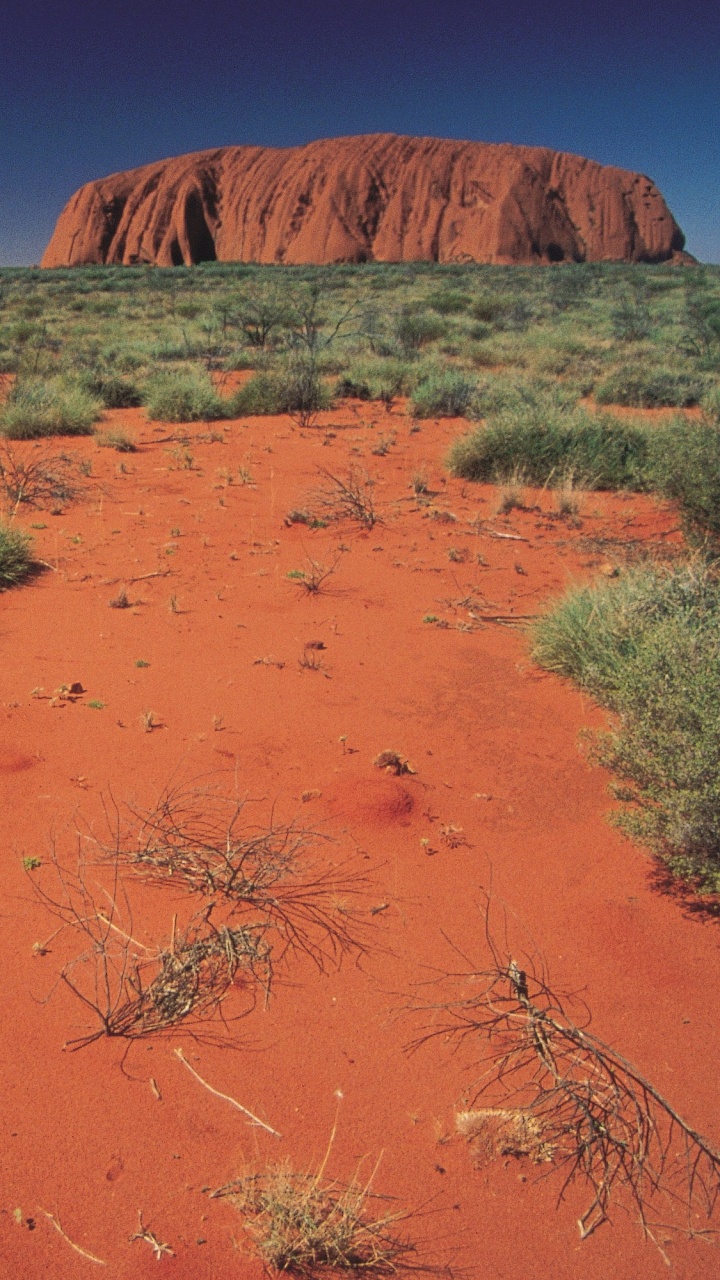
(369,800)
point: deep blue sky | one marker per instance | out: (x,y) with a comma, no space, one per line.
(93,86)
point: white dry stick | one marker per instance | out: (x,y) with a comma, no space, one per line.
(226,1097)
(83,1252)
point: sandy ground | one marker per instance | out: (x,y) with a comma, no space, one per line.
(94,1136)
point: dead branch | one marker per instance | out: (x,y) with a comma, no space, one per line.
(199,841)
(132,991)
(349,499)
(578,1102)
(83,1252)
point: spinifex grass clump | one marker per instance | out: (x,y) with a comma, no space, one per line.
(685,467)
(443,395)
(185,395)
(300,1225)
(15,556)
(549,440)
(54,406)
(648,647)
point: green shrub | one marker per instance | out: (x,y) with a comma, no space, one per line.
(449,302)
(414,329)
(55,406)
(630,319)
(260,394)
(347,388)
(649,387)
(303,391)
(295,388)
(488,308)
(685,467)
(112,390)
(546,441)
(648,647)
(15,556)
(443,395)
(711,403)
(183,396)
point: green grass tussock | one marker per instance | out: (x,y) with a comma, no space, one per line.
(184,395)
(46,407)
(547,441)
(15,556)
(649,387)
(446,394)
(648,648)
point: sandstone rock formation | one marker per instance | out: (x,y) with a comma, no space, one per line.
(373,198)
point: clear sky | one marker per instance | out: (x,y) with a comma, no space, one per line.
(89,87)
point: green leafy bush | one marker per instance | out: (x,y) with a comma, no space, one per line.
(261,394)
(648,648)
(48,407)
(449,302)
(295,388)
(348,388)
(630,318)
(15,556)
(185,395)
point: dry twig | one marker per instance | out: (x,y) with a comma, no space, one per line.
(83,1252)
(200,841)
(579,1101)
(255,1120)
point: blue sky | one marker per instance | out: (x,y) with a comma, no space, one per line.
(91,87)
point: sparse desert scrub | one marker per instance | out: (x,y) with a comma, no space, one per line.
(646,646)
(120,441)
(132,990)
(347,497)
(303,1225)
(49,407)
(312,577)
(35,480)
(15,556)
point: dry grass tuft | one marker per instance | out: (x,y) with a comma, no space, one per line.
(393,762)
(298,1225)
(498,1131)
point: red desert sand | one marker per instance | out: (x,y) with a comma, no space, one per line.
(214,644)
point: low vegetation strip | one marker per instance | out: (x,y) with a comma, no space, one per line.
(546,442)
(647,646)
